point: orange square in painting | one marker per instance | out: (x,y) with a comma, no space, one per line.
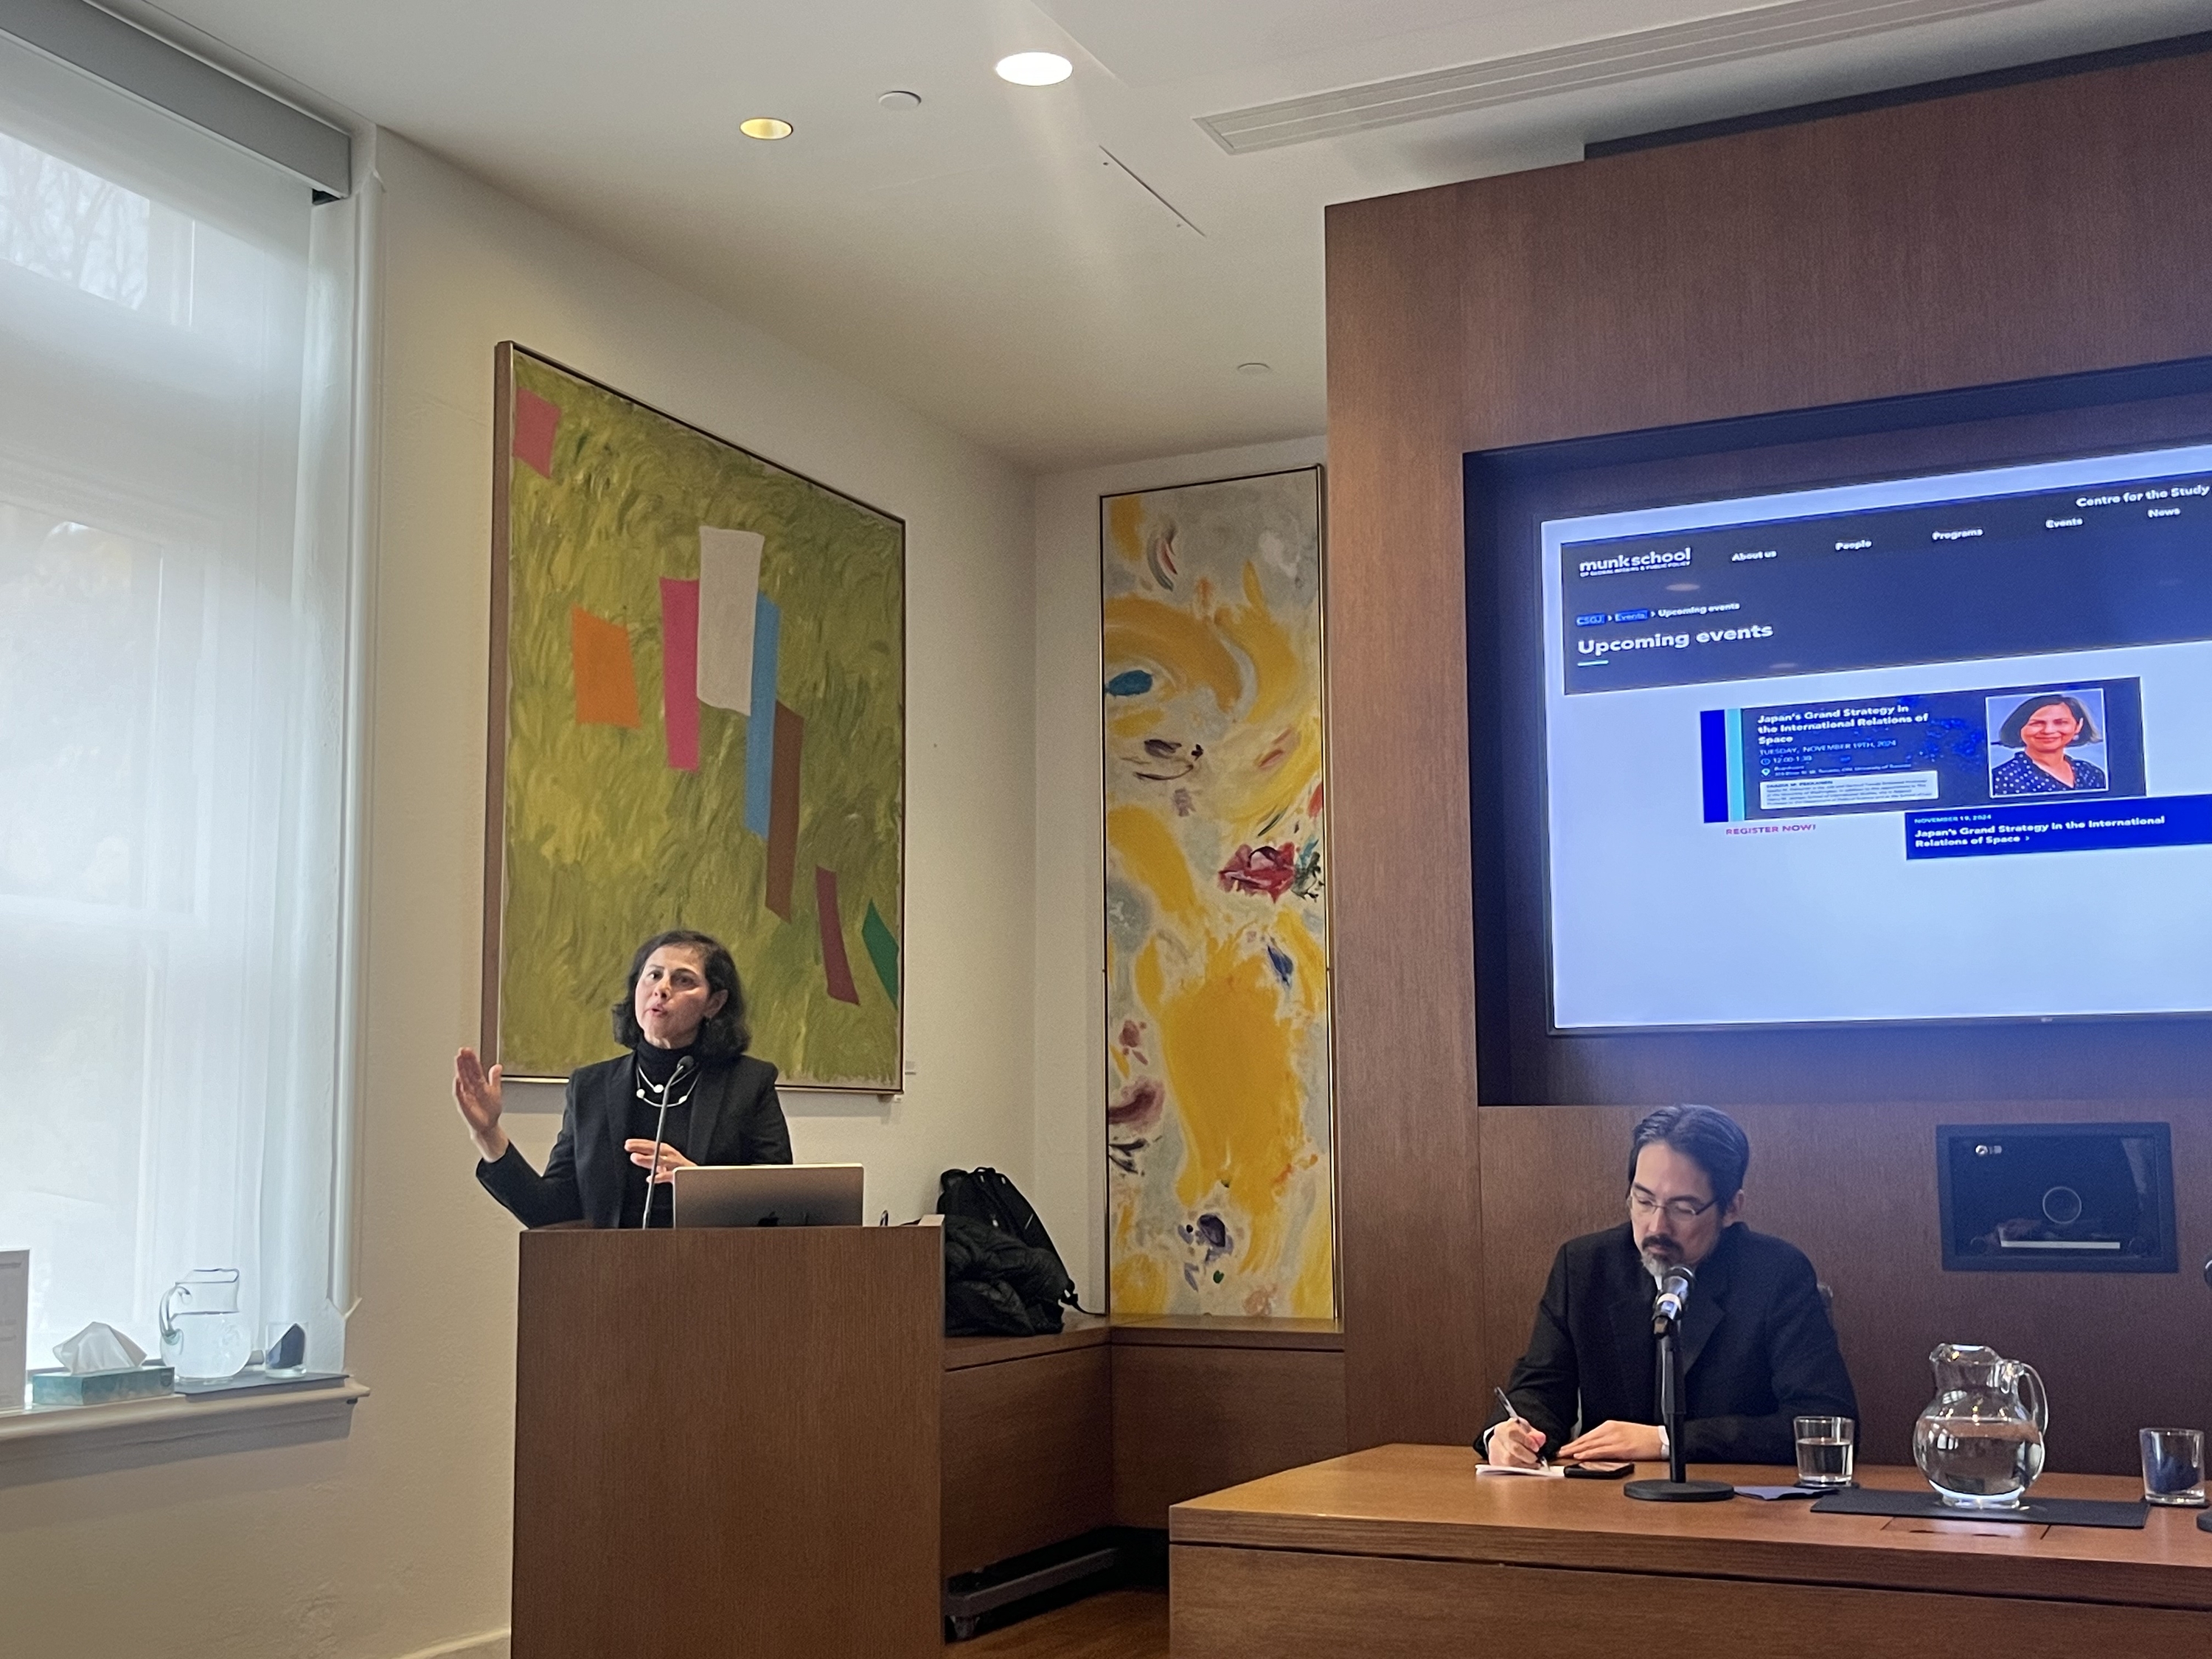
(606,685)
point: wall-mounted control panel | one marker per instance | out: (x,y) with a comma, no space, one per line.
(2057,1197)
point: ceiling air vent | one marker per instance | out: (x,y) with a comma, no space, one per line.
(1617,58)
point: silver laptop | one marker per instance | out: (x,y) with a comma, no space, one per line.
(767,1195)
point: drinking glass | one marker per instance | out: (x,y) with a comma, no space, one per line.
(2173,1467)
(1824,1451)
(283,1348)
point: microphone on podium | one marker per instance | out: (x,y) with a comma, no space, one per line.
(659,1131)
(1674,1295)
(668,1097)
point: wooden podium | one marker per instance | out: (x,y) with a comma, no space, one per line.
(726,1442)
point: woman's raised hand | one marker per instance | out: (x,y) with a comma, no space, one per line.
(475,1092)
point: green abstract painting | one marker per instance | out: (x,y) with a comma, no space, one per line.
(702,725)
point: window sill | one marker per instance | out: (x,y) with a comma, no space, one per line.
(59,1442)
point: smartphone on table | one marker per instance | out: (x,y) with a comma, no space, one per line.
(1596,1471)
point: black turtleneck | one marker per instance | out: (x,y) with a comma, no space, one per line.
(658,1071)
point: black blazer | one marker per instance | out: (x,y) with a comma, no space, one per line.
(735,1118)
(1756,1348)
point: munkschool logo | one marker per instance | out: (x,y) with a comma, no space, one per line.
(1621,564)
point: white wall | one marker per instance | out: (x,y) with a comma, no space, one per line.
(1070,835)
(394,1541)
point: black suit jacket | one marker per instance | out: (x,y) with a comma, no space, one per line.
(735,1118)
(1756,1348)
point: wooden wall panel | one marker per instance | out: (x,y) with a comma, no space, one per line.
(1190,1419)
(1855,1188)
(1401,906)
(1028,1447)
(2000,235)
(2031,230)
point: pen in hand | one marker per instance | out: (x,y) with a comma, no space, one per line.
(1514,1416)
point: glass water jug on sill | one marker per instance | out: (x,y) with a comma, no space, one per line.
(204,1333)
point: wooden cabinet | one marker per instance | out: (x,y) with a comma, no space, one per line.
(1028,1444)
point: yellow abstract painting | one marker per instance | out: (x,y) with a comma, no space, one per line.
(1218,1114)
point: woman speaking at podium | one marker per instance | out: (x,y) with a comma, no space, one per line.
(687,1075)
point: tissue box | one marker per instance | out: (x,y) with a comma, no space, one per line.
(56,1386)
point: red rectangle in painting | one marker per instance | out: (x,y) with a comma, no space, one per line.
(783,811)
(536,423)
(679,671)
(835,966)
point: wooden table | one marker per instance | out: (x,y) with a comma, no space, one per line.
(1403,1550)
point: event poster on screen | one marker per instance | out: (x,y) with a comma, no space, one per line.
(1937,748)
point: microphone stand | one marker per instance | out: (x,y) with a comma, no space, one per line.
(1677,1487)
(660,1126)
(661,1134)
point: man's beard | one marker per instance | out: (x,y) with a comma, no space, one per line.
(1662,1253)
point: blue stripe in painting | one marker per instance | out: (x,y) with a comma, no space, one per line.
(1734,764)
(760,725)
(1712,747)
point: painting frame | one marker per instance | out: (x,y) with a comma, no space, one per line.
(496,931)
(1317,472)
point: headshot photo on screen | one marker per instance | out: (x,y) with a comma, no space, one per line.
(2050,744)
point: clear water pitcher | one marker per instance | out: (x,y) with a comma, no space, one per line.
(1980,1441)
(203,1335)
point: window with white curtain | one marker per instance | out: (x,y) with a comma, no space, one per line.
(176,572)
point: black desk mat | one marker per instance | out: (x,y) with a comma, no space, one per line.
(2032,1512)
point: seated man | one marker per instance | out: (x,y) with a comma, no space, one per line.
(1756,1344)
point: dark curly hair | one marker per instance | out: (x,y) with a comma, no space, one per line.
(726,1034)
(2012,738)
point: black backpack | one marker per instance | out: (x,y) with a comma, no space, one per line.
(1002,1275)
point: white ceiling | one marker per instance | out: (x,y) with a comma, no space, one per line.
(979,258)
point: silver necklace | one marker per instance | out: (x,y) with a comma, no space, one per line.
(661,1097)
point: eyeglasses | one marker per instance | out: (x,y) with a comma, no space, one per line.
(1678,1209)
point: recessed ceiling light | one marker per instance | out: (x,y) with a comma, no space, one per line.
(765,126)
(1256,369)
(1035,68)
(899,99)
